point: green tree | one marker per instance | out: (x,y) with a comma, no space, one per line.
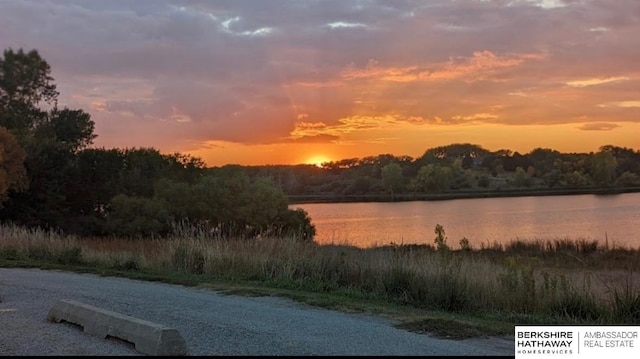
(71,128)
(576,179)
(137,217)
(232,205)
(184,167)
(468,154)
(484,181)
(296,223)
(257,208)
(50,138)
(44,202)
(432,178)
(358,185)
(603,168)
(25,82)
(628,179)
(142,167)
(543,159)
(13,175)
(521,178)
(392,177)
(460,177)
(93,180)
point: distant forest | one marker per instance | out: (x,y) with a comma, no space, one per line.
(457,170)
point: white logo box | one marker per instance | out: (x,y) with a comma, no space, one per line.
(584,342)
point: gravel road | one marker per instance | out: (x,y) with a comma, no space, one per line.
(211,323)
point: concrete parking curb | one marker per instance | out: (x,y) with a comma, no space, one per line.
(148,337)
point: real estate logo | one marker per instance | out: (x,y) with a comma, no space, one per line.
(576,341)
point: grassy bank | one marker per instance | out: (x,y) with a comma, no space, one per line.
(457,293)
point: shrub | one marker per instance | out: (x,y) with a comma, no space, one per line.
(130,264)
(71,256)
(40,254)
(10,253)
(464,244)
(441,239)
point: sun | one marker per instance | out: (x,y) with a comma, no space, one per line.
(317,160)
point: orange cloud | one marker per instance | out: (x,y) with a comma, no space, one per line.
(595,81)
(624,104)
(598,126)
(319,138)
(477,67)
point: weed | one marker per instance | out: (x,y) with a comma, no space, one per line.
(625,305)
(70,256)
(40,254)
(130,264)
(464,244)
(188,260)
(441,239)
(577,307)
(10,253)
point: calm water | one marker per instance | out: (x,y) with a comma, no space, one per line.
(482,220)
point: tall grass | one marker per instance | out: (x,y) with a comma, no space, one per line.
(574,281)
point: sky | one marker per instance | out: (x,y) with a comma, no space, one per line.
(257,82)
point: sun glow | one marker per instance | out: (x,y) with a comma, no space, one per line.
(317,160)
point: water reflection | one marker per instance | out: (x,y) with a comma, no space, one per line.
(481,220)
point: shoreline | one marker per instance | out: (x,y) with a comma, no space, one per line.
(406,197)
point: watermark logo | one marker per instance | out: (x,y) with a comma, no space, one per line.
(576,342)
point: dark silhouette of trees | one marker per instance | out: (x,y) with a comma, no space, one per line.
(66,185)
(13,175)
(392,177)
(49,136)
(466,168)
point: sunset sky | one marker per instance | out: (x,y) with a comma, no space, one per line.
(285,82)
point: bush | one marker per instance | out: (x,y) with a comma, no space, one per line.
(71,256)
(10,253)
(296,223)
(441,239)
(40,254)
(137,216)
(130,264)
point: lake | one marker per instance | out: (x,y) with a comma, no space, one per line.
(615,218)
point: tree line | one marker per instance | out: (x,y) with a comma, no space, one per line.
(457,170)
(51,178)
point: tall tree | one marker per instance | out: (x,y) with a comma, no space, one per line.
(432,178)
(71,128)
(25,82)
(49,136)
(13,175)
(392,177)
(603,168)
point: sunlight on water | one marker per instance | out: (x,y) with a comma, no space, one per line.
(615,218)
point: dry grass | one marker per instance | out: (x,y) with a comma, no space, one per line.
(575,280)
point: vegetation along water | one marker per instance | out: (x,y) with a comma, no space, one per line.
(139,213)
